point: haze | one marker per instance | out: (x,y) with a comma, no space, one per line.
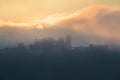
(91,21)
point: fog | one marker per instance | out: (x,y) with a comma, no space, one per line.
(100,26)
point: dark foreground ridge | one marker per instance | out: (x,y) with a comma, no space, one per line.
(51,60)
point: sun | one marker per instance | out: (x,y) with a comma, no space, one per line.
(39,26)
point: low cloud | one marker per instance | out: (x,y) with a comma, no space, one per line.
(102,21)
(12,33)
(13,24)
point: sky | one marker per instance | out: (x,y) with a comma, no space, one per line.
(91,21)
(29,10)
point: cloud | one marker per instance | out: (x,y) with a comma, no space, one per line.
(13,24)
(94,24)
(12,33)
(102,21)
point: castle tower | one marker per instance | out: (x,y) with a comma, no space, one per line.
(68,41)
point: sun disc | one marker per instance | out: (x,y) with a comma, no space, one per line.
(40,27)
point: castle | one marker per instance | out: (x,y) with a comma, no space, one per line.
(50,43)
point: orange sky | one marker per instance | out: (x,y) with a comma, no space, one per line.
(29,10)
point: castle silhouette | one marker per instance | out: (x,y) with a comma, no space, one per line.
(50,44)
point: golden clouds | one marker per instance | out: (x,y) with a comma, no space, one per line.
(103,21)
(24,10)
(13,24)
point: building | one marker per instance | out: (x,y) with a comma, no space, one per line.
(52,44)
(68,41)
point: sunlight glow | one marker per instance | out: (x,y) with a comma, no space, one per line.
(40,27)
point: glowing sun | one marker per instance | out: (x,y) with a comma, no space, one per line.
(39,26)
